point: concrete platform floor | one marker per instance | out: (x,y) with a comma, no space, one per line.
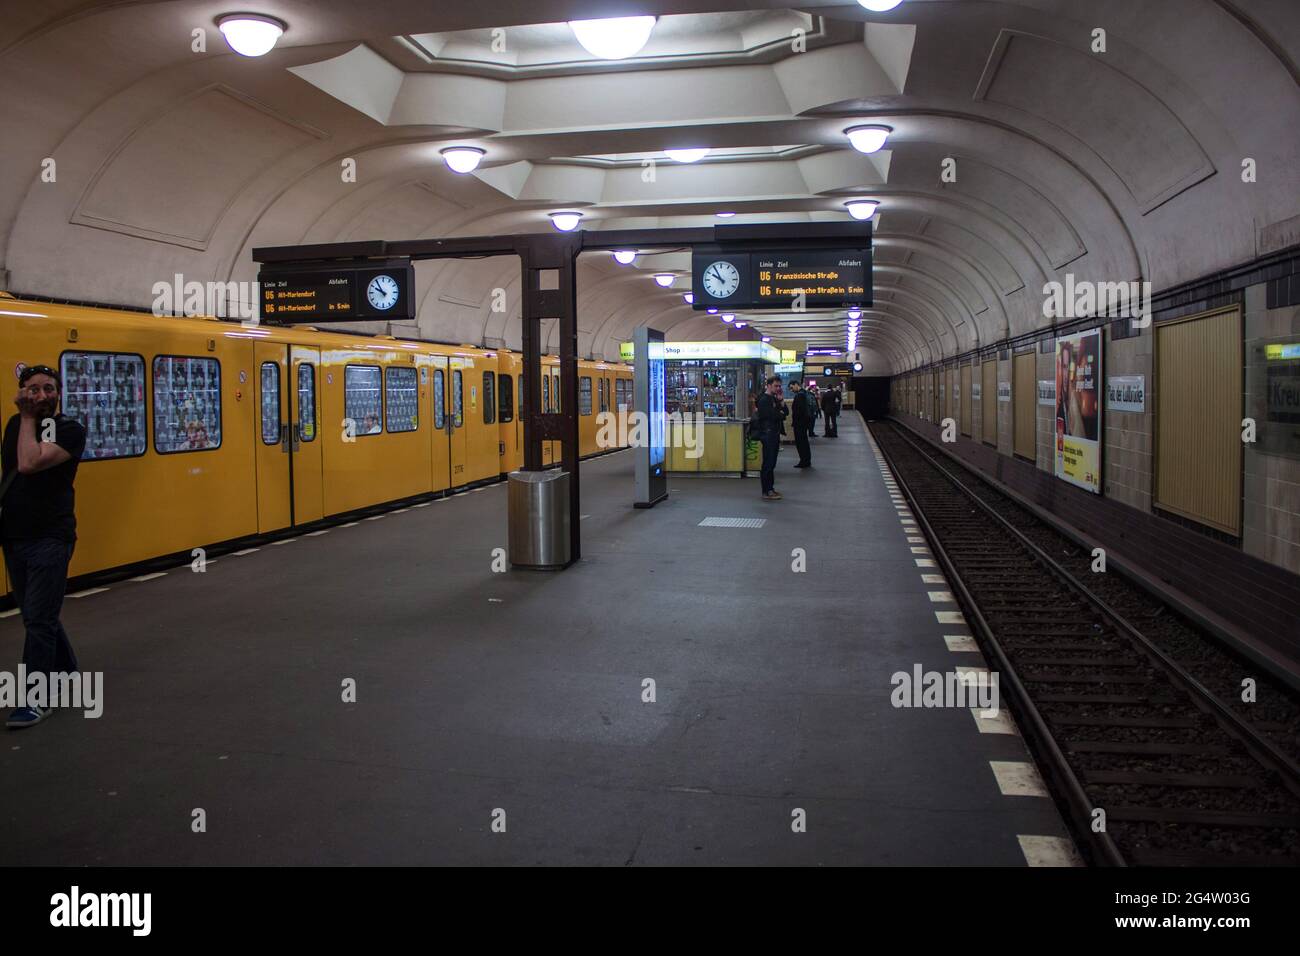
(522,692)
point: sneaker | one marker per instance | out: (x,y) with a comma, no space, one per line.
(27,717)
(772,496)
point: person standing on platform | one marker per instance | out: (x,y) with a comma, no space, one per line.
(801,419)
(38,524)
(830,410)
(816,406)
(769,422)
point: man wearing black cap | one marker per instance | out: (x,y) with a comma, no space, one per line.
(38,524)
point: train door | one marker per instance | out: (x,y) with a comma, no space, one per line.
(438,388)
(304,414)
(456,420)
(272,458)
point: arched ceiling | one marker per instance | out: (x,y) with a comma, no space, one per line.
(1112,166)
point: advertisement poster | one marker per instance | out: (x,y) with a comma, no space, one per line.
(1078,409)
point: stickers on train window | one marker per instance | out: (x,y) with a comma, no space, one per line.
(243,376)
(424,376)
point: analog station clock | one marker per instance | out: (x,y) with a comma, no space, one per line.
(721,279)
(382,292)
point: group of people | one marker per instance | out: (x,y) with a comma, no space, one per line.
(805,407)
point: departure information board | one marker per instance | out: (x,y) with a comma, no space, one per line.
(781,280)
(339,294)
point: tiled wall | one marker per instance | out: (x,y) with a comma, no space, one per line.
(1128,450)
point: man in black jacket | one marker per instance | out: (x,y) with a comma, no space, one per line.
(769,418)
(802,420)
(831,411)
(38,523)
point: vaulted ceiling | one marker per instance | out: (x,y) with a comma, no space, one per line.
(1110,165)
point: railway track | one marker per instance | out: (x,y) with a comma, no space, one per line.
(1152,767)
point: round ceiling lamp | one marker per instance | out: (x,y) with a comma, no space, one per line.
(565,220)
(861,208)
(869,138)
(665,279)
(728,318)
(614,38)
(251,34)
(724,215)
(462,159)
(880,6)
(624,257)
(689,297)
(693,155)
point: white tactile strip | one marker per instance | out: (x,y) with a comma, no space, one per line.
(732,523)
(1014,778)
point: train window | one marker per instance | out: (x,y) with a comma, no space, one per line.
(402,396)
(457,399)
(506,400)
(489,398)
(270,403)
(584,395)
(307,402)
(105,392)
(363,401)
(439,399)
(546,394)
(186,404)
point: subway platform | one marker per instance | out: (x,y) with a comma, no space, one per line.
(503,717)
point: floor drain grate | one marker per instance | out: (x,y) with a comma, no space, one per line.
(732,523)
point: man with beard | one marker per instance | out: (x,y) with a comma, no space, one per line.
(38,524)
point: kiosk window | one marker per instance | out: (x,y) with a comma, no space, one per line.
(584,396)
(270,403)
(402,396)
(186,404)
(307,402)
(105,392)
(457,398)
(506,402)
(362,401)
(489,398)
(439,399)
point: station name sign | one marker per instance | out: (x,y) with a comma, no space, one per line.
(825,279)
(338,293)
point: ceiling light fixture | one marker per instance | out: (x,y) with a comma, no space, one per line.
(462,159)
(566,220)
(740,325)
(855,313)
(689,297)
(868,139)
(613,38)
(880,6)
(767,338)
(729,318)
(665,279)
(724,215)
(712,311)
(693,155)
(624,257)
(861,208)
(251,34)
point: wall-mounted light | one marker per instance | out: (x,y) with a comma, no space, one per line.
(462,159)
(869,138)
(613,38)
(687,155)
(565,220)
(624,257)
(861,208)
(664,279)
(689,297)
(251,34)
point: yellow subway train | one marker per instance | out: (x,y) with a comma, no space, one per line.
(202,431)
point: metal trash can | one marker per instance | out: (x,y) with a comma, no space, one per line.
(539,519)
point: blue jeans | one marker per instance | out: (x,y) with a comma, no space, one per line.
(771,445)
(38,574)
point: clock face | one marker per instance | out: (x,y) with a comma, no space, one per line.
(721,279)
(382,292)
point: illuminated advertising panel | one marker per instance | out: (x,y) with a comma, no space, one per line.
(1078,409)
(648,390)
